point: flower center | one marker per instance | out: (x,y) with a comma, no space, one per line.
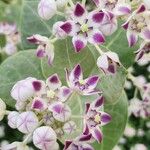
(111,1)
(82,82)
(97,118)
(84,28)
(51,94)
(140,25)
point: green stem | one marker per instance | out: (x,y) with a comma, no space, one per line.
(99,49)
(83,2)
(71,3)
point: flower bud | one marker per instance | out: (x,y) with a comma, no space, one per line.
(23,89)
(27,122)
(108,62)
(12,119)
(57,31)
(44,138)
(2,109)
(61,112)
(69,127)
(10,48)
(47,9)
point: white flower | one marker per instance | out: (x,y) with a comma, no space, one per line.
(129,131)
(69,127)
(47,9)
(16,146)
(23,89)
(12,119)
(2,109)
(44,138)
(10,48)
(139,147)
(27,122)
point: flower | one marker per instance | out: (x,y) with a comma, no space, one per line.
(95,118)
(2,109)
(76,83)
(44,138)
(47,9)
(69,127)
(27,122)
(139,147)
(118,7)
(45,47)
(129,131)
(108,62)
(61,3)
(138,25)
(79,143)
(10,48)
(61,112)
(84,27)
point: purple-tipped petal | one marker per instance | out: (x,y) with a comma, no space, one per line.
(146,34)
(67,144)
(105,118)
(97,134)
(141,9)
(53,82)
(125,25)
(132,38)
(97,17)
(98,102)
(37,85)
(97,2)
(67,27)
(123,9)
(64,93)
(112,68)
(86,130)
(79,10)
(40,51)
(84,138)
(87,106)
(92,81)
(79,43)
(96,37)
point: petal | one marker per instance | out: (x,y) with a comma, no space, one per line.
(40,52)
(96,37)
(122,9)
(98,102)
(79,10)
(113,56)
(92,81)
(87,106)
(95,18)
(67,144)
(105,118)
(145,34)
(50,53)
(85,138)
(76,74)
(102,61)
(97,134)
(53,82)
(64,93)
(86,130)
(61,112)
(69,127)
(125,25)
(141,9)
(91,92)
(132,38)
(79,42)
(39,86)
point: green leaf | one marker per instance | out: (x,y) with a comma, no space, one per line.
(113,131)
(17,67)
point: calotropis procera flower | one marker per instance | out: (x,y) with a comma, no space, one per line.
(16,146)
(79,143)
(84,27)
(2,109)
(45,47)
(47,9)
(144,49)
(95,118)
(138,24)
(12,119)
(108,62)
(77,83)
(44,138)
(118,7)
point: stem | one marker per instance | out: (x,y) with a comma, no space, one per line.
(99,49)
(7,112)
(71,3)
(83,2)
(53,40)
(60,13)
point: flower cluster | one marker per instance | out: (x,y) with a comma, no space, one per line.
(44,115)
(12,37)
